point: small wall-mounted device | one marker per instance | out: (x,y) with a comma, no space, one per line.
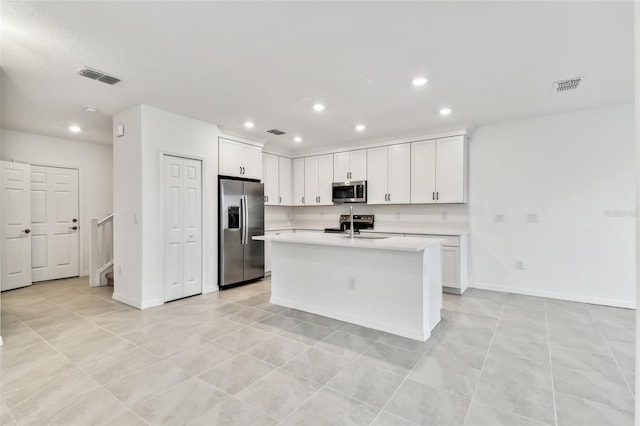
(120,131)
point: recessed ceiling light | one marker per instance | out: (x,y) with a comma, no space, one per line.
(360,127)
(249,124)
(74,129)
(89,108)
(419,81)
(445,111)
(318,107)
(297,139)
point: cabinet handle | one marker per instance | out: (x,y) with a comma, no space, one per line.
(279,199)
(302,200)
(240,169)
(243,170)
(433,196)
(389,197)
(437,195)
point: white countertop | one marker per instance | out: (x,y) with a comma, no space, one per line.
(339,240)
(386,229)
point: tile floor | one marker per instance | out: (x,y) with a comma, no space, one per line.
(73,356)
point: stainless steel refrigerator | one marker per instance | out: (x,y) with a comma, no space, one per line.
(241,216)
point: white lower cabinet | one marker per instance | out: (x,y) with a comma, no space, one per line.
(454,261)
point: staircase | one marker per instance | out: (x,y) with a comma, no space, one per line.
(101,259)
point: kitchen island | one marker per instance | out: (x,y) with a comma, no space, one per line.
(390,284)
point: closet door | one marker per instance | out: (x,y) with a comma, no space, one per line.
(183,227)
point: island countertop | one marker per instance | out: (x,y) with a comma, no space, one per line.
(340,240)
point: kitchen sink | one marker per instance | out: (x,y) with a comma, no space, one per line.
(367,237)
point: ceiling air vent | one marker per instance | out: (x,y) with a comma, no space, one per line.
(98,75)
(276,132)
(566,85)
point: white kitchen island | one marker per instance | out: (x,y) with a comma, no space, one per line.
(391,284)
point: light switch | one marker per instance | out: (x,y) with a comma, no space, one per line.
(120,131)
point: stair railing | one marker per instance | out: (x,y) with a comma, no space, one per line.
(101,258)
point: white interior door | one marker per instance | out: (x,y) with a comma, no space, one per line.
(16,225)
(183,227)
(54,223)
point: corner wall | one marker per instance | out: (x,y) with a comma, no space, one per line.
(576,172)
(139,205)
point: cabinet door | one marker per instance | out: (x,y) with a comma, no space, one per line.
(252,162)
(423,172)
(451,266)
(399,179)
(450,170)
(325,179)
(341,167)
(311,181)
(285,187)
(377,178)
(358,164)
(230,158)
(298,182)
(271,178)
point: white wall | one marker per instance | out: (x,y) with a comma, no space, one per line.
(94,162)
(127,208)
(575,171)
(159,133)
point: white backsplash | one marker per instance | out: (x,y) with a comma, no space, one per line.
(385,215)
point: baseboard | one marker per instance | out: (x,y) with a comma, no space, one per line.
(559,296)
(411,334)
(126,300)
(136,303)
(210,290)
(152,303)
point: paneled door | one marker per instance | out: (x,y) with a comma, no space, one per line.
(16,225)
(183,227)
(54,223)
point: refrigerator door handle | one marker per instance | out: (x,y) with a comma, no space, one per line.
(245,220)
(242,222)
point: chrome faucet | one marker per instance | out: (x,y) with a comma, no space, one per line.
(351,220)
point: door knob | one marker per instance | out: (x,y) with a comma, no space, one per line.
(27,231)
(74,220)
(73,227)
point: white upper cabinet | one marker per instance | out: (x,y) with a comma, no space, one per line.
(389,177)
(271,178)
(284,181)
(451,170)
(423,172)
(350,165)
(325,180)
(399,174)
(298,182)
(377,177)
(439,171)
(277,180)
(318,177)
(239,159)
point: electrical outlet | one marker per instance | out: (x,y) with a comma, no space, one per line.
(498,217)
(352,284)
(520,265)
(532,217)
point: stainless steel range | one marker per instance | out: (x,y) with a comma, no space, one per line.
(360,221)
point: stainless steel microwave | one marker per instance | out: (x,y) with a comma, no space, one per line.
(350,192)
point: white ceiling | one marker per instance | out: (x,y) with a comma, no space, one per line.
(228,62)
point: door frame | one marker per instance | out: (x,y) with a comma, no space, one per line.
(203,211)
(81,246)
